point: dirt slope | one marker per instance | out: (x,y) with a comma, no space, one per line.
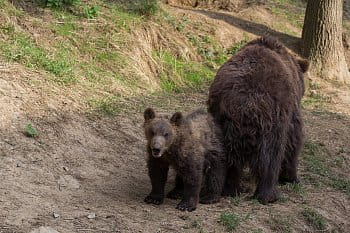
(79,166)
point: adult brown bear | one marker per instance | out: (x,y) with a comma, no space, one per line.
(255,98)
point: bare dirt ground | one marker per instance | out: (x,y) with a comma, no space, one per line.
(80,166)
(87,173)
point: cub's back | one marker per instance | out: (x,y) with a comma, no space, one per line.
(202,128)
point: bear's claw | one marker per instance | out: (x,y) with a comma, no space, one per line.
(153,200)
(186,206)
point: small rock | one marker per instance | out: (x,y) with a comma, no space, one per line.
(69,182)
(184,217)
(44,230)
(65,168)
(91,216)
(313,92)
(55,215)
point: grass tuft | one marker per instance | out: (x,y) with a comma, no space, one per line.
(230,221)
(179,75)
(30,131)
(279,224)
(314,219)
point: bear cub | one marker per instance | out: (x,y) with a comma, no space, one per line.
(192,145)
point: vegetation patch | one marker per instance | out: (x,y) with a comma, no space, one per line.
(142,7)
(291,10)
(108,106)
(315,100)
(231,220)
(60,3)
(279,224)
(314,157)
(235,200)
(91,12)
(22,49)
(30,131)
(314,219)
(296,188)
(237,46)
(342,184)
(178,75)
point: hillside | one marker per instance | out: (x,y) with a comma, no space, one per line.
(76,81)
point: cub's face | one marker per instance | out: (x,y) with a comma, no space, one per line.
(159,132)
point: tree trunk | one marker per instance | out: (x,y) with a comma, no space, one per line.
(322,40)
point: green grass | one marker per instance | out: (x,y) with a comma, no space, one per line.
(60,3)
(230,221)
(279,224)
(64,29)
(91,12)
(315,100)
(30,131)
(108,106)
(179,75)
(196,224)
(342,184)
(293,11)
(22,49)
(319,168)
(235,200)
(314,157)
(143,7)
(296,188)
(237,46)
(314,219)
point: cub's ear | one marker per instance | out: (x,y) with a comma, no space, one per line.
(176,119)
(304,65)
(149,114)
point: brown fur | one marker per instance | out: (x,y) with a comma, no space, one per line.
(255,98)
(192,145)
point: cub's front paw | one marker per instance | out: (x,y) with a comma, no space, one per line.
(186,206)
(151,199)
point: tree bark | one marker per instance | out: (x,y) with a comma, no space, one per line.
(322,40)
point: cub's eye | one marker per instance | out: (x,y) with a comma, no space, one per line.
(166,135)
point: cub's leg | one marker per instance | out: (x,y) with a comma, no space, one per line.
(191,174)
(158,173)
(214,183)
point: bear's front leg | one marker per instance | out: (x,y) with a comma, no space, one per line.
(192,186)
(158,173)
(178,190)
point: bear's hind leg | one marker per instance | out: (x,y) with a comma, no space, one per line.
(266,169)
(214,184)
(232,186)
(289,167)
